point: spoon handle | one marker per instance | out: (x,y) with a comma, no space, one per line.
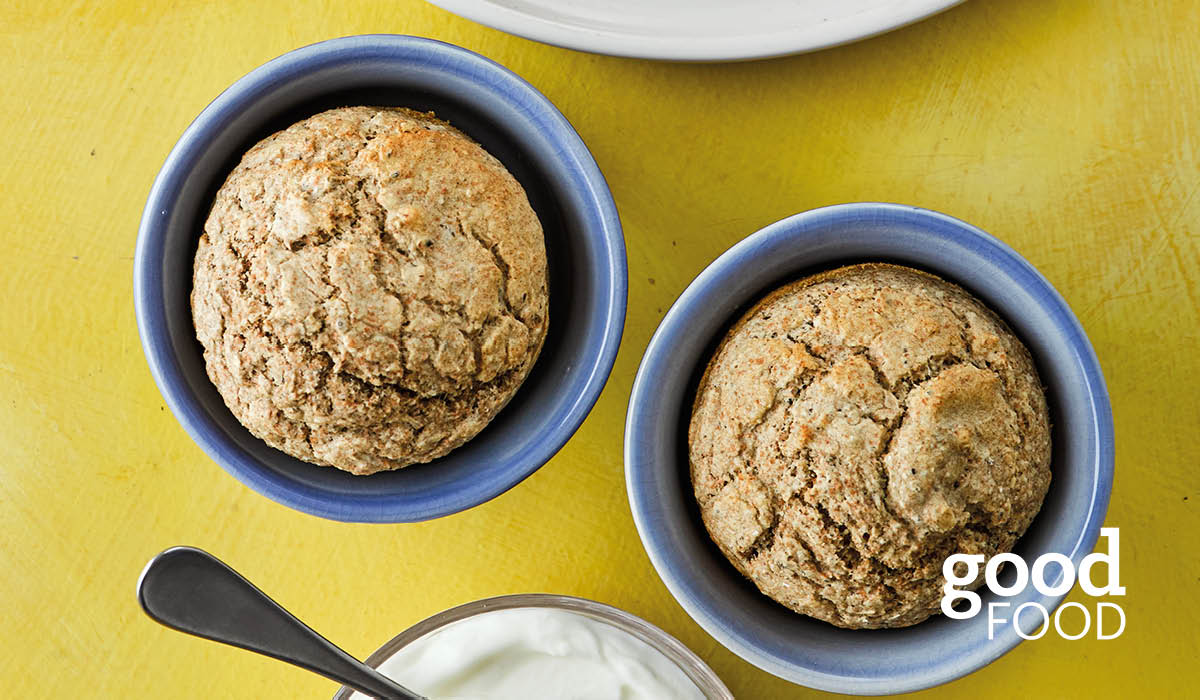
(194,592)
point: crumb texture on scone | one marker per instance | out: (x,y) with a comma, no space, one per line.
(370,289)
(856,428)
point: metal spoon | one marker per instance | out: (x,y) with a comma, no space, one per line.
(192,591)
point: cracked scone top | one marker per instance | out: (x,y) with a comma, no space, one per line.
(370,289)
(857,427)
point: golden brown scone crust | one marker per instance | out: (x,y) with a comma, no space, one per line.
(857,427)
(370,289)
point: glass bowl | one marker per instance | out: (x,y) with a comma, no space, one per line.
(687,661)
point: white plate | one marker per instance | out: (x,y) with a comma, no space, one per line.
(696,30)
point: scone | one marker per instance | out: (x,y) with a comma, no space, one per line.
(857,427)
(370,289)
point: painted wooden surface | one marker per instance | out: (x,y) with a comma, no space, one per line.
(1070,130)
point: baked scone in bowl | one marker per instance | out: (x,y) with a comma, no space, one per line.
(380,279)
(836,405)
(857,427)
(370,289)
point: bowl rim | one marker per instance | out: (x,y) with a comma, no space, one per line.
(601,214)
(665,643)
(642,403)
(773,42)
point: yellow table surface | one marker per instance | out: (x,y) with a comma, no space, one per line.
(1071,130)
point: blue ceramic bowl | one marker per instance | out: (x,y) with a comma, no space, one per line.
(801,649)
(515,123)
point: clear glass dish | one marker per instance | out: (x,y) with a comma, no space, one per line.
(687,661)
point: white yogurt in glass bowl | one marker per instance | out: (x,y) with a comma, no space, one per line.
(545,647)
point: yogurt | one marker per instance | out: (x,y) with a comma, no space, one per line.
(536,654)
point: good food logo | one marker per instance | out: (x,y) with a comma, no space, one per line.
(1024,576)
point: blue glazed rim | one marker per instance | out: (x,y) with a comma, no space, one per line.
(929,233)
(494,82)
